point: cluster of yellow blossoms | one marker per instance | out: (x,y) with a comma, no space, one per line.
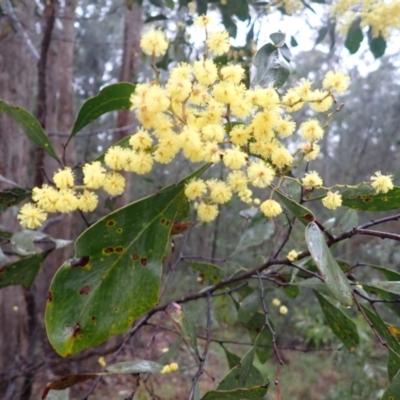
(205,112)
(383,16)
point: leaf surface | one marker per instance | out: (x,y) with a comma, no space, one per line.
(111,98)
(22,272)
(342,326)
(31,127)
(329,269)
(115,275)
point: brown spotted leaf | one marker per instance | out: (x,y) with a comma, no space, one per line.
(115,275)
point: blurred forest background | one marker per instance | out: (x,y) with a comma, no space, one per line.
(56,54)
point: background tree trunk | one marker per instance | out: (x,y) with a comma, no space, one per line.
(129,72)
(17,71)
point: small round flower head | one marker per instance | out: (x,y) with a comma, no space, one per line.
(312,180)
(336,82)
(64,178)
(241,108)
(46,198)
(283,310)
(285,126)
(154,42)
(246,196)
(218,42)
(67,201)
(276,302)
(321,100)
(199,95)
(239,135)
(234,158)
(232,73)
(174,367)
(114,184)
(196,188)
(205,71)
(87,201)
(381,183)
(207,212)
(292,101)
(224,92)
(213,132)
(260,174)
(30,216)
(271,208)
(166,369)
(332,200)
(263,97)
(304,89)
(237,180)
(311,130)
(211,152)
(141,140)
(292,255)
(310,150)
(93,175)
(220,192)
(142,163)
(203,20)
(115,158)
(281,157)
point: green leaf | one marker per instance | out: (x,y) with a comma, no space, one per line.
(329,269)
(348,221)
(390,274)
(354,36)
(135,367)
(377,45)
(249,306)
(260,336)
(114,277)
(293,41)
(189,330)
(172,351)
(254,393)
(224,309)
(382,328)
(31,127)
(342,326)
(303,214)
(22,272)
(393,364)
(278,38)
(321,34)
(233,359)
(111,98)
(387,286)
(11,197)
(263,345)
(393,390)
(365,198)
(208,272)
(256,235)
(242,375)
(238,375)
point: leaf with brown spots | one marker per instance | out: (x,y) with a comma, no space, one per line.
(123,273)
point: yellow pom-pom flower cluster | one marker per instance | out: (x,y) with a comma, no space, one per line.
(206,113)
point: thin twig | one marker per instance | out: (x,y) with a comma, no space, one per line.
(203,357)
(381,341)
